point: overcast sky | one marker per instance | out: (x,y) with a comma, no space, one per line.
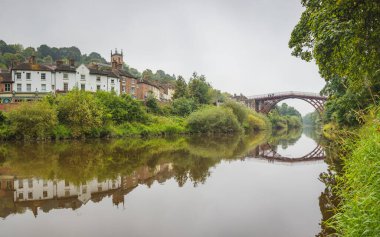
(241,45)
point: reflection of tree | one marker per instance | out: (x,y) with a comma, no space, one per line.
(78,161)
(285,137)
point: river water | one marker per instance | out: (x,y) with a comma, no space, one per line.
(186,186)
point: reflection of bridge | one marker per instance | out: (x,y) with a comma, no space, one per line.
(264,103)
(266,151)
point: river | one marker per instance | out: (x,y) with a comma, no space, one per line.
(183,186)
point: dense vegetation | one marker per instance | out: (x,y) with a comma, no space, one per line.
(343,37)
(312,120)
(285,117)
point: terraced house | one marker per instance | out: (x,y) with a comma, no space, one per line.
(30,80)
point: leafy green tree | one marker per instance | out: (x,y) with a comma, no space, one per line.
(181,89)
(121,108)
(33,120)
(151,104)
(81,112)
(184,106)
(343,37)
(199,89)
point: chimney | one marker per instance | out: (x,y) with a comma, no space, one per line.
(72,63)
(32,59)
(59,63)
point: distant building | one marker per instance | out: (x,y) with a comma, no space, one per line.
(30,80)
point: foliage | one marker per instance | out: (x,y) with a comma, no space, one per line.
(151,104)
(80,111)
(213,120)
(121,108)
(159,76)
(199,89)
(33,120)
(343,37)
(240,110)
(183,106)
(312,119)
(359,183)
(181,89)
(285,117)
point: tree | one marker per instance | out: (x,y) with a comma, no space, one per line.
(181,89)
(199,89)
(183,106)
(343,37)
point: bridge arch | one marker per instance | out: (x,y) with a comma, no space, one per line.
(265,103)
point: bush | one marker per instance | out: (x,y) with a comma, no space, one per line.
(256,123)
(240,110)
(81,112)
(183,106)
(121,108)
(213,120)
(33,120)
(152,105)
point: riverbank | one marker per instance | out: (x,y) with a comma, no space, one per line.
(357,183)
(80,114)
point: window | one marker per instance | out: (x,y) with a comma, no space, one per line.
(112,88)
(19,87)
(65,76)
(45,183)
(123,88)
(67,183)
(30,183)
(29,87)
(52,87)
(83,87)
(20,196)
(21,183)
(98,87)
(66,87)
(43,87)
(43,76)
(45,194)
(28,76)
(18,75)
(7,87)
(83,77)
(132,90)
(112,81)
(98,79)
(133,81)
(30,195)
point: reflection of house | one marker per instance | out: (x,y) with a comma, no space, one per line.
(16,194)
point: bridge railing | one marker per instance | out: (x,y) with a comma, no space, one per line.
(286,93)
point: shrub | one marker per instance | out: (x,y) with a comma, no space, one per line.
(80,111)
(256,123)
(183,106)
(33,120)
(152,105)
(240,110)
(213,120)
(121,108)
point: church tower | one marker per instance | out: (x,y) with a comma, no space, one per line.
(117,59)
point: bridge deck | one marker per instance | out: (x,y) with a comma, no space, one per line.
(287,93)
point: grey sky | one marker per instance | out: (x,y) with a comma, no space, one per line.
(240,45)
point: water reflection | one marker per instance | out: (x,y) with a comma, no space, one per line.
(67,175)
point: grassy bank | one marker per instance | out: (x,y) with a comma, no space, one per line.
(80,114)
(358,184)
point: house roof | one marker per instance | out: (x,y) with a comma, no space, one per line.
(142,81)
(32,67)
(5,77)
(65,68)
(108,73)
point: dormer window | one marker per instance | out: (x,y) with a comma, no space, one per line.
(43,76)
(83,77)
(98,79)
(112,81)
(65,76)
